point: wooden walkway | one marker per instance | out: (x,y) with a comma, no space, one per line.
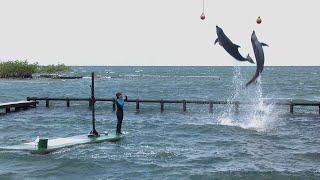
(32,102)
(289,104)
(17,105)
(137,101)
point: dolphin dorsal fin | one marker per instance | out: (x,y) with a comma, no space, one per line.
(217,40)
(264,44)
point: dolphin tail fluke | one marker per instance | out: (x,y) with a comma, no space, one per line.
(215,42)
(254,78)
(250,82)
(264,44)
(249,59)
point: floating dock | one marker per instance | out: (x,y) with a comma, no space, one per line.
(18,105)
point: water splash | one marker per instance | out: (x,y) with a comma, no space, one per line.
(254,112)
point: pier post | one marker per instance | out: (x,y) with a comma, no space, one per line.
(161,105)
(90,104)
(7,110)
(68,102)
(291,108)
(113,104)
(47,102)
(137,105)
(34,105)
(184,105)
(319,109)
(211,107)
(237,106)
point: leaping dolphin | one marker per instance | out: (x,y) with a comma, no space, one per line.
(259,54)
(231,48)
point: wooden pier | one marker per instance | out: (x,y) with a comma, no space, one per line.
(137,101)
(32,102)
(162,102)
(18,105)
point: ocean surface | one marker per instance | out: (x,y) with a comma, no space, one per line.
(259,142)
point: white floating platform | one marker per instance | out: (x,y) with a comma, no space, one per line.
(56,144)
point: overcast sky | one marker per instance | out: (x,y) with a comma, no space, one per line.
(156,32)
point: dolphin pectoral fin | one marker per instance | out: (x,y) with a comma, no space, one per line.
(249,59)
(217,40)
(264,44)
(237,46)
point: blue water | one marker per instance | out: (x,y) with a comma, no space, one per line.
(260,142)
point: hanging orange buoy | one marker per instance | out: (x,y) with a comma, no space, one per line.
(259,20)
(202,16)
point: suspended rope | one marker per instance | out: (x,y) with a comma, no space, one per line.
(202,6)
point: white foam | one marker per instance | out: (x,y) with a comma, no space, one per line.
(256,114)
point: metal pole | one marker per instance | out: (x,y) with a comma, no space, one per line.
(93,132)
(92,102)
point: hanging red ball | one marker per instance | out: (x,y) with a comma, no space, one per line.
(202,17)
(259,20)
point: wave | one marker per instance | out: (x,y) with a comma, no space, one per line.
(153,77)
(7,175)
(101,77)
(257,175)
(163,76)
(315,156)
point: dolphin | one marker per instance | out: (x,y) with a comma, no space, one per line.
(259,54)
(231,48)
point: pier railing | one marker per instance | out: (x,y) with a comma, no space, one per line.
(137,101)
(162,102)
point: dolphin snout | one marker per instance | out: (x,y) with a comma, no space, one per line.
(218,29)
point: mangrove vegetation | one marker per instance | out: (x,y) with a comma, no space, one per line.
(53,68)
(23,69)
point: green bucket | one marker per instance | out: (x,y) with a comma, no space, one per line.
(43,144)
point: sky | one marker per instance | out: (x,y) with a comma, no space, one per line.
(157,32)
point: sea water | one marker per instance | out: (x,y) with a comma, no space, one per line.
(260,141)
